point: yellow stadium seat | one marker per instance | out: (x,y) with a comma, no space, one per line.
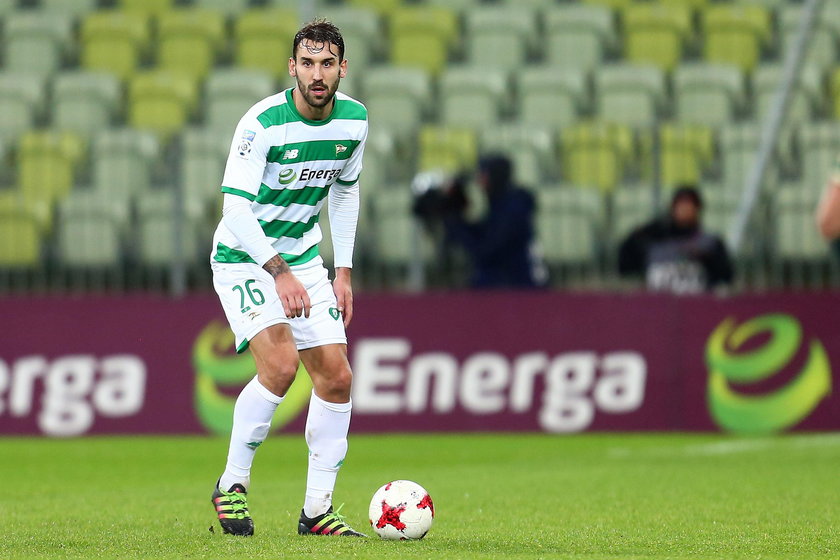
(686,151)
(264,39)
(596,154)
(447,149)
(422,36)
(736,33)
(612,4)
(226,7)
(114,41)
(161,101)
(656,33)
(834,88)
(382,7)
(14,200)
(149,7)
(47,162)
(189,40)
(20,240)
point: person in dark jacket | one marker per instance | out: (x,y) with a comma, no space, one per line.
(674,253)
(500,246)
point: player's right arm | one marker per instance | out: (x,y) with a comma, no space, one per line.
(241,184)
(828,211)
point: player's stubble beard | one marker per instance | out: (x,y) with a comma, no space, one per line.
(310,98)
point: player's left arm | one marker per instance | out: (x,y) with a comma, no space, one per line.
(344,216)
(828,210)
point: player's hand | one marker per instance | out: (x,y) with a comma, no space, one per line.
(342,286)
(293,295)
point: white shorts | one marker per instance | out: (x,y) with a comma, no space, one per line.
(251,304)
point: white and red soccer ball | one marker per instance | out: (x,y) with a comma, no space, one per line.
(401,510)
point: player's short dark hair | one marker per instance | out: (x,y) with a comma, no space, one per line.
(687,192)
(320,31)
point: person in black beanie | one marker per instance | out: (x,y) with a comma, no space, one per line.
(674,253)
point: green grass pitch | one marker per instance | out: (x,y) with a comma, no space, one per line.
(586,496)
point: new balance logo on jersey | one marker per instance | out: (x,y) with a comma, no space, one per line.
(290,154)
(340,148)
(328,174)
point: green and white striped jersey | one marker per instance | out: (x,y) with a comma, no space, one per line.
(285,165)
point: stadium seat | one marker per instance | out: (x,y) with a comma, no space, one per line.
(85,102)
(656,33)
(398,98)
(157,222)
(36,40)
(720,207)
(189,40)
(794,235)
(123,161)
(569,223)
(822,44)
(736,34)
(500,37)
(695,5)
(578,35)
(47,161)
(629,94)
(14,200)
(114,41)
(596,154)
(73,7)
(686,151)
(819,146)
(447,149)
(20,240)
(530,148)
(463,7)
(263,39)
(472,96)
(87,202)
(739,145)
(616,5)
(551,95)
(632,206)
(806,98)
(422,36)
(161,101)
(148,7)
(711,94)
(364,38)
(7,6)
(230,92)
(226,7)
(382,162)
(834,92)
(398,237)
(202,167)
(21,101)
(382,7)
(89,241)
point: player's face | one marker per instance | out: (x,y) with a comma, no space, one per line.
(685,213)
(317,70)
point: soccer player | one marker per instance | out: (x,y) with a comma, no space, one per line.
(289,152)
(828,209)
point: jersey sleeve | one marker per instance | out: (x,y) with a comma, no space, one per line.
(353,168)
(246,160)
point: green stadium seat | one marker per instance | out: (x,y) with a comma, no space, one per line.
(47,161)
(630,94)
(500,37)
(202,167)
(85,102)
(398,98)
(263,39)
(226,7)
(463,7)
(656,33)
(447,149)
(686,151)
(148,7)
(72,7)
(720,208)
(21,101)
(157,223)
(161,101)
(736,34)
(189,40)
(472,96)
(36,40)
(711,94)
(806,98)
(569,222)
(822,45)
(596,154)
(230,92)
(397,235)
(20,240)
(123,161)
(7,6)
(530,147)
(381,163)
(551,95)
(739,145)
(795,237)
(819,146)
(632,206)
(578,35)
(363,35)
(422,36)
(89,241)
(87,202)
(114,41)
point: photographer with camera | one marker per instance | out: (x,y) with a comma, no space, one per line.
(500,246)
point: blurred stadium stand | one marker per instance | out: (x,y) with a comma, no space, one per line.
(117,115)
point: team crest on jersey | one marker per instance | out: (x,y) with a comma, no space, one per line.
(290,154)
(245,144)
(340,148)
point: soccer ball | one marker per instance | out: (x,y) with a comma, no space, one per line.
(401,510)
